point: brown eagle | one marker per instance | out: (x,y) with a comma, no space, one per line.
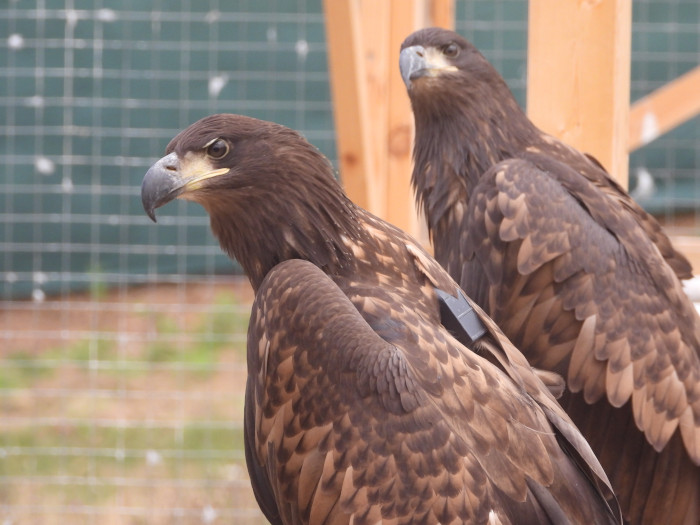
(361,406)
(581,279)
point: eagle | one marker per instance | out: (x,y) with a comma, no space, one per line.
(577,275)
(376,391)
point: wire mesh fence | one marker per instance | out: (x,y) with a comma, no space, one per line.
(123,342)
(122,358)
(664,174)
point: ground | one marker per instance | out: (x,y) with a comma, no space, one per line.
(126,407)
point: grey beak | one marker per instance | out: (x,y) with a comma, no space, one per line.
(412,64)
(161,184)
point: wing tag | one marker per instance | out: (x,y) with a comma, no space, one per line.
(458,316)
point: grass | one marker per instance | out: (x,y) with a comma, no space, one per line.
(20,370)
(98,466)
(197,349)
(221,329)
(112,448)
(147,440)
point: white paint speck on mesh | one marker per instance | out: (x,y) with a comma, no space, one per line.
(15,41)
(235,472)
(153,457)
(72,17)
(106,15)
(302,49)
(650,127)
(67,185)
(271,34)
(35,102)
(216,84)
(44,165)
(209,514)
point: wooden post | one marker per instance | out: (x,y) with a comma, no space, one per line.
(401,208)
(373,118)
(579,75)
(442,13)
(346,63)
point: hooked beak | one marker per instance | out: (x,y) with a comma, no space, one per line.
(171,177)
(417,61)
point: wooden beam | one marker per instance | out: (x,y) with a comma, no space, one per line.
(373,117)
(664,109)
(401,208)
(579,75)
(375,43)
(346,63)
(442,13)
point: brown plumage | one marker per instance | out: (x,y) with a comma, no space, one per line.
(575,273)
(360,405)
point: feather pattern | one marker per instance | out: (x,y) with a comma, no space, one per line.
(575,272)
(361,407)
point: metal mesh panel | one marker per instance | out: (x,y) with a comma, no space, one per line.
(499,31)
(121,400)
(122,343)
(92,93)
(664,174)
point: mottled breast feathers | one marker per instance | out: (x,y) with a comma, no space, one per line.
(361,407)
(354,427)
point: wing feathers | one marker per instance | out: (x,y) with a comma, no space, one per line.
(325,499)
(354,429)
(606,354)
(583,296)
(619,384)
(309,476)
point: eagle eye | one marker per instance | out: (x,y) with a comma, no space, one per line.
(451,50)
(217,149)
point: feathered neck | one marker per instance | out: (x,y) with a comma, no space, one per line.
(298,211)
(462,129)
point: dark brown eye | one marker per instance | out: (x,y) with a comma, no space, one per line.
(217,149)
(451,50)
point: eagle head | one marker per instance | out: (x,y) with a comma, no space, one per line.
(443,70)
(215,158)
(269,193)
